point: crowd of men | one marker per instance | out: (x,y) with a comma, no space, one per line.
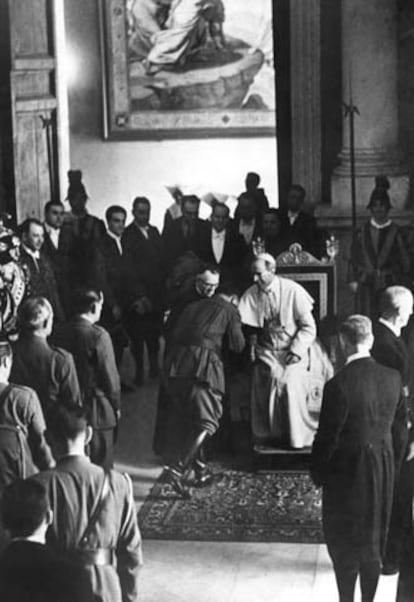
(211,289)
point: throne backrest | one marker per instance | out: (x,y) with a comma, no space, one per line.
(317,276)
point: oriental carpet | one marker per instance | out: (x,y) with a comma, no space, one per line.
(238,506)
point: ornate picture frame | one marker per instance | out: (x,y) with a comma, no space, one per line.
(221,83)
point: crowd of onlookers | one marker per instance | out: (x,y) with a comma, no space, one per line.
(91,288)
(88,289)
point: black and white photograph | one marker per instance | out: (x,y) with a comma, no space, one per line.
(206,301)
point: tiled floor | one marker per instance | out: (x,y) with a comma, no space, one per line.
(218,572)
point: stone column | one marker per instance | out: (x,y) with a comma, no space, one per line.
(305,48)
(370,72)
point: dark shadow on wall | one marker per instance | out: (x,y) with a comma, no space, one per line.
(331,91)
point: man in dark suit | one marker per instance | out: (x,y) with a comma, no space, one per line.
(361,420)
(389,349)
(41,279)
(248,223)
(110,550)
(30,571)
(181,235)
(144,287)
(219,244)
(47,369)
(92,350)
(109,277)
(57,248)
(274,240)
(298,226)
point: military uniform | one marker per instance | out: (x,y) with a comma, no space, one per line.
(92,350)
(112,553)
(20,409)
(48,370)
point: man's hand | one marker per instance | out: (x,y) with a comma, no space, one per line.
(353,286)
(292,358)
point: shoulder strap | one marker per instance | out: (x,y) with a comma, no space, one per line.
(103,496)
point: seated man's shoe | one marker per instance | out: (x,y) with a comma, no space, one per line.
(175,476)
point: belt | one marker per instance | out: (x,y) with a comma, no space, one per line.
(96,557)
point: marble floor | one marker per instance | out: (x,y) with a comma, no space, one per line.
(217,572)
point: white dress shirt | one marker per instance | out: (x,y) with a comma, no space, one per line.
(144,231)
(34,254)
(54,234)
(217,243)
(117,239)
(292,217)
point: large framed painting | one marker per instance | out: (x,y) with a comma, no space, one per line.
(188,68)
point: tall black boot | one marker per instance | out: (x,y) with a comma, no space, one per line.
(177,475)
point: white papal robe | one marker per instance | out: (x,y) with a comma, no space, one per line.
(285,398)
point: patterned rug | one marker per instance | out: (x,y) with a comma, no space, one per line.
(238,506)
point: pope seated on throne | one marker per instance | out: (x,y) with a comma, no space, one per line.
(290,367)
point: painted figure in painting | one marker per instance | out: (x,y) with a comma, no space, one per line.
(166,33)
(180,57)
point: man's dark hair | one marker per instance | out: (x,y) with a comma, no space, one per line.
(208,267)
(24,506)
(65,422)
(114,209)
(220,206)
(299,189)
(51,204)
(190,198)
(85,299)
(249,196)
(141,200)
(25,226)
